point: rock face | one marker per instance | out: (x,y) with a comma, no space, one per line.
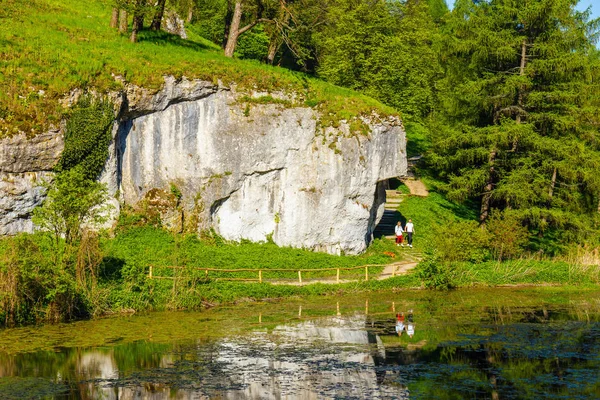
(24,165)
(247,170)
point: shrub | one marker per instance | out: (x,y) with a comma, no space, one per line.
(507,236)
(32,286)
(72,201)
(435,274)
(461,241)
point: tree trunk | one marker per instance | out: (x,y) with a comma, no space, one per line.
(521,73)
(486,199)
(114,18)
(273,47)
(160,11)
(138,23)
(190,14)
(234,29)
(122,21)
(228,18)
(552,185)
(276,35)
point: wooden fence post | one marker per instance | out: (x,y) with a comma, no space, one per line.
(366,273)
(338,276)
(259,276)
(300,277)
(393,270)
(206,273)
(150,273)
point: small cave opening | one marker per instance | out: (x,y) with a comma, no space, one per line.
(390,201)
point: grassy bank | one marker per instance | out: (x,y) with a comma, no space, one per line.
(35,289)
(50,47)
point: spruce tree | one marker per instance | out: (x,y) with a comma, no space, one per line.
(518,87)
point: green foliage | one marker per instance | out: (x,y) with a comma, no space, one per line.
(508,237)
(253,45)
(33,287)
(434,274)
(514,129)
(72,201)
(383,49)
(176,192)
(461,241)
(209,20)
(87,136)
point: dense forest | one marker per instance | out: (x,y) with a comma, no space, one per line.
(508,91)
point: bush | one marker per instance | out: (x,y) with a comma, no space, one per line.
(435,274)
(72,201)
(461,241)
(507,236)
(33,287)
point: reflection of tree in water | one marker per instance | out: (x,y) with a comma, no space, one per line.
(536,354)
(499,352)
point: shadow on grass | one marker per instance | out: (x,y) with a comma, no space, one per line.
(468,210)
(417,139)
(168,39)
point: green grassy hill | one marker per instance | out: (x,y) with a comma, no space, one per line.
(49,47)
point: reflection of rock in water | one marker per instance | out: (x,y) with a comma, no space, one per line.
(310,360)
(327,358)
(95,369)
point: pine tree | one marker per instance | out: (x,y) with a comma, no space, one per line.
(518,82)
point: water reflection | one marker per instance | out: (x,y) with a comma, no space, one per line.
(549,351)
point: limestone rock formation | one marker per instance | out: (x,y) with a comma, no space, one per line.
(246,169)
(25,163)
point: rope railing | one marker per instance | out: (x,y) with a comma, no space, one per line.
(259,279)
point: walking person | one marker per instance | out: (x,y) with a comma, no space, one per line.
(410,328)
(399,323)
(399,238)
(410,230)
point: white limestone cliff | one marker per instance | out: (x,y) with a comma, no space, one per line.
(247,170)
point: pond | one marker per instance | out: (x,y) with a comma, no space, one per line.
(496,343)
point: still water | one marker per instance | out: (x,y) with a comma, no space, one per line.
(496,344)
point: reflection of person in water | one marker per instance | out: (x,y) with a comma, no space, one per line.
(399,323)
(410,328)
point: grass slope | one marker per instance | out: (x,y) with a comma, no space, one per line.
(49,47)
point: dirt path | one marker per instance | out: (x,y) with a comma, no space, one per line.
(390,270)
(398,268)
(416,187)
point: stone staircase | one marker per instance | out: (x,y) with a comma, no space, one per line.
(391,216)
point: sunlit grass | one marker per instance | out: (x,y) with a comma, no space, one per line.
(49,47)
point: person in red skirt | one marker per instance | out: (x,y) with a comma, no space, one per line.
(399,232)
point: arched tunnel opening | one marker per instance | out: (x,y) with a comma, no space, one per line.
(391,215)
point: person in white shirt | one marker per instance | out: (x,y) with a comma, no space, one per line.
(399,230)
(410,230)
(410,328)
